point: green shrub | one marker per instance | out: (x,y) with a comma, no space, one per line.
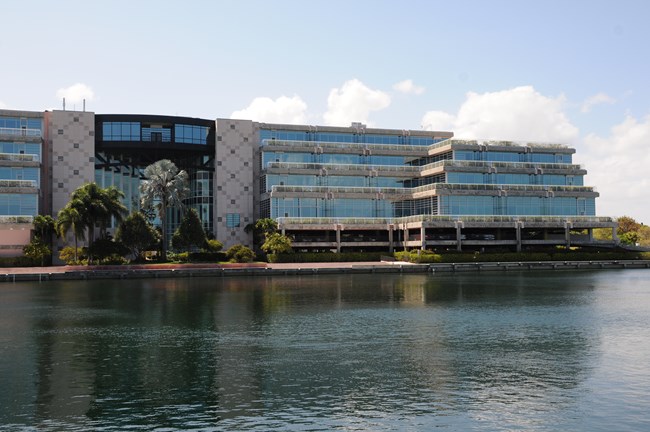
(240,253)
(213,246)
(304,257)
(67,255)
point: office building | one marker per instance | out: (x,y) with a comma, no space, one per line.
(329,188)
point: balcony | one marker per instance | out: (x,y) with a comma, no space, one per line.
(15,157)
(18,184)
(20,132)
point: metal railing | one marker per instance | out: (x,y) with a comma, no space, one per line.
(501,187)
(504,143)
(284,221)
(19,157)
(16,219)
(20,132)
(419,150)
(418,169)
(18,183)
(487,164)
(344,167)
(432,186)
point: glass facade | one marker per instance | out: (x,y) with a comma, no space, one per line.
(20,147)
(365,138)
(500,156)
(138,131)
(536,202)
(18,204)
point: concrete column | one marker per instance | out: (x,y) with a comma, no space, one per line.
(338,238)
(423,241)
(518,226)
(615,234)
(459,243)
(567,234)
(590,235)
(390,238)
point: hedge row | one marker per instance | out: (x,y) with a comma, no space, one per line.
(19,261)
(431,257)
(304,257)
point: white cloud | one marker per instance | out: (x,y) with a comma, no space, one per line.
(2,105)
(353,102)
(284,109)
(617,165)
(408,87)
(76,93)
(518,114)
(597,99)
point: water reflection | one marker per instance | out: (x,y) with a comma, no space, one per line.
(364,351)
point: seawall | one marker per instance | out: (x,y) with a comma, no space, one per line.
(126,272)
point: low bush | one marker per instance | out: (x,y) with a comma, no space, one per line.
(417,256)
(240,254)
(304,257)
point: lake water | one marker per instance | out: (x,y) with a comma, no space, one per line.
(541,351)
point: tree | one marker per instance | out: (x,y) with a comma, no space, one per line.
(276,243)
(627,224)
(70,218)
(99,207)
(44,227)
(190,232)
(137,234)
(240,253)
(165,186)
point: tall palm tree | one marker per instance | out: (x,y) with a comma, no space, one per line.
(99,207)
(70,218)
(164,187)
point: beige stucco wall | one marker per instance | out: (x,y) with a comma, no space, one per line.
(13,237)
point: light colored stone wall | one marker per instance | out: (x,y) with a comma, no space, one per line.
(234,179)
(71,143)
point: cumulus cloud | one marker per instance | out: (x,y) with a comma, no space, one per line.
(597,99)
(353,102)
(518,114)
(76,93)
(408,87)
(284,109)
(617,165)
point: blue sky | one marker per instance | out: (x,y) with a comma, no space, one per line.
(573,72)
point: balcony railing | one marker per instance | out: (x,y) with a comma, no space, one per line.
(501,143)
(19,157)
(407,192)
(344,167)
(409,149)
(20,132)
(16,219)
(18,183)
(285,221)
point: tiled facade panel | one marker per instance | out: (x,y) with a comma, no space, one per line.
(233,180)
(71,136)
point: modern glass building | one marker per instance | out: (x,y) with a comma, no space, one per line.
(126,144)
(21,149)
(330,188)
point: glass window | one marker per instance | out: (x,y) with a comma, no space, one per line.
(232,220)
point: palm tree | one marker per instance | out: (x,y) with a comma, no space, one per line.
(70,218)
(99,207)
(165,185)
